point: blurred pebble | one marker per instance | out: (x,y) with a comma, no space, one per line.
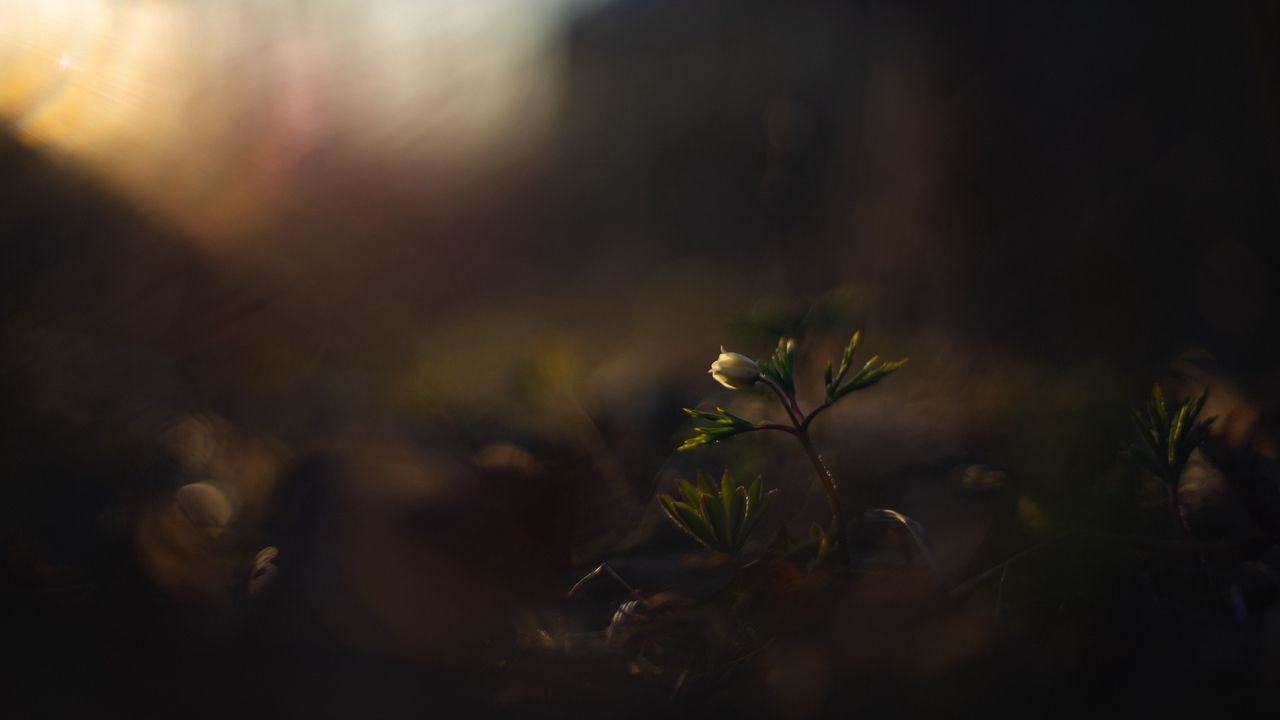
(205,505)
(1030,512)
(264,570)
(983,479)
(505,456)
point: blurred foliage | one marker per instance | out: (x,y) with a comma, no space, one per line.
(1169,437)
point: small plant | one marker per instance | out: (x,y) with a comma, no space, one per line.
(720,517)
(1168,439)
(740,372)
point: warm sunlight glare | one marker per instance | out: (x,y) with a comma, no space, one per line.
(210,113)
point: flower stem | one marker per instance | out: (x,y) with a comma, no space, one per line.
(833,495)
(788,403)
(800,423)
(1175,508)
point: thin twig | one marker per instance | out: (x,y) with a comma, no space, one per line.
(805,424)
(921,549)
(604,567)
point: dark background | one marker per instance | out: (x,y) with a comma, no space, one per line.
(446,405)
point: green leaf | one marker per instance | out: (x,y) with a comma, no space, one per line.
(865,368)
(783,357)
(753,495)
(1175,431)
(732,504)
(867,377)
(1140,421)
(724,424)
(743,503)
(736,421)
(767,368)
(758,507)
(668,505)
(1199,405)
(689,520)
(820,539)
(1157,397)
(688,492)
(750,508)
(693,443)
(847,360)
(826,379)
(701,414)
(705,484)
(713,511)
(1168,441)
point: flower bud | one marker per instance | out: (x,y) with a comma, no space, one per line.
(734,370)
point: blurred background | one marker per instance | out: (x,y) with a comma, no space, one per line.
(339,339)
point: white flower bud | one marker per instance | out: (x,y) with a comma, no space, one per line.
(734,370)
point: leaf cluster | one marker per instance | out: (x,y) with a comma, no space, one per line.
(1168,438)
(780,368)
(724,425)
(870,374)
(718,517)
(778,371)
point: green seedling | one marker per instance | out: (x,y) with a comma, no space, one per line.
(1168,439)
(720,517)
